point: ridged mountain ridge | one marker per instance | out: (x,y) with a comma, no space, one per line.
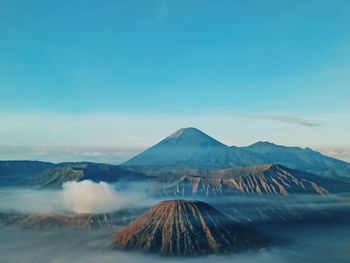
(186,228)
(55,177)
(263,179)
(51,220)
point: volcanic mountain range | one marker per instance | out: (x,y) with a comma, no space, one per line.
(189,162)
(189,147)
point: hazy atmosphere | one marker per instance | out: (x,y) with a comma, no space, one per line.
(125,74)
(191,131)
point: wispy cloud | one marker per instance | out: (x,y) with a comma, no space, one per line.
(291,119)
(342,153)
(113,155)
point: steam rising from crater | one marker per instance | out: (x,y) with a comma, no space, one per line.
(78,197)
(90,197)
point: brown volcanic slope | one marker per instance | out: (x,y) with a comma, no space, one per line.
(263,179)
(186,228)
(51,220)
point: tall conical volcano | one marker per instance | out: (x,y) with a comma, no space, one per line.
(192,148)
(185,147)
(186,228)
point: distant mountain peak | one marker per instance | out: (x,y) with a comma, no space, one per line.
(263,144)
(190,147)
(191,134)
(189,130)
(270,145)
(185,147)
(176,134)
(190,137)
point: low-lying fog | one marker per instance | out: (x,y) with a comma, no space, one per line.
(312,242)
(316,244)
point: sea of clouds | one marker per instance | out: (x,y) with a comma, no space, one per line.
(298,243)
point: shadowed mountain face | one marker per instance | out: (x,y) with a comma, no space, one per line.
(187,228)
(50,175)
(192,148)
(12,172)
(304,159)
(57,176)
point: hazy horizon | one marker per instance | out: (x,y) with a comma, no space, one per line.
(109,155)
(116,74)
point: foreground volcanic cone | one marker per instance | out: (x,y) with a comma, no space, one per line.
(186,228)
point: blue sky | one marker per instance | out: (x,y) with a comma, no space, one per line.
(280,60)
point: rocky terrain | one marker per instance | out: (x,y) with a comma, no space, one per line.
(58,220)
(262,179)
(187,228)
